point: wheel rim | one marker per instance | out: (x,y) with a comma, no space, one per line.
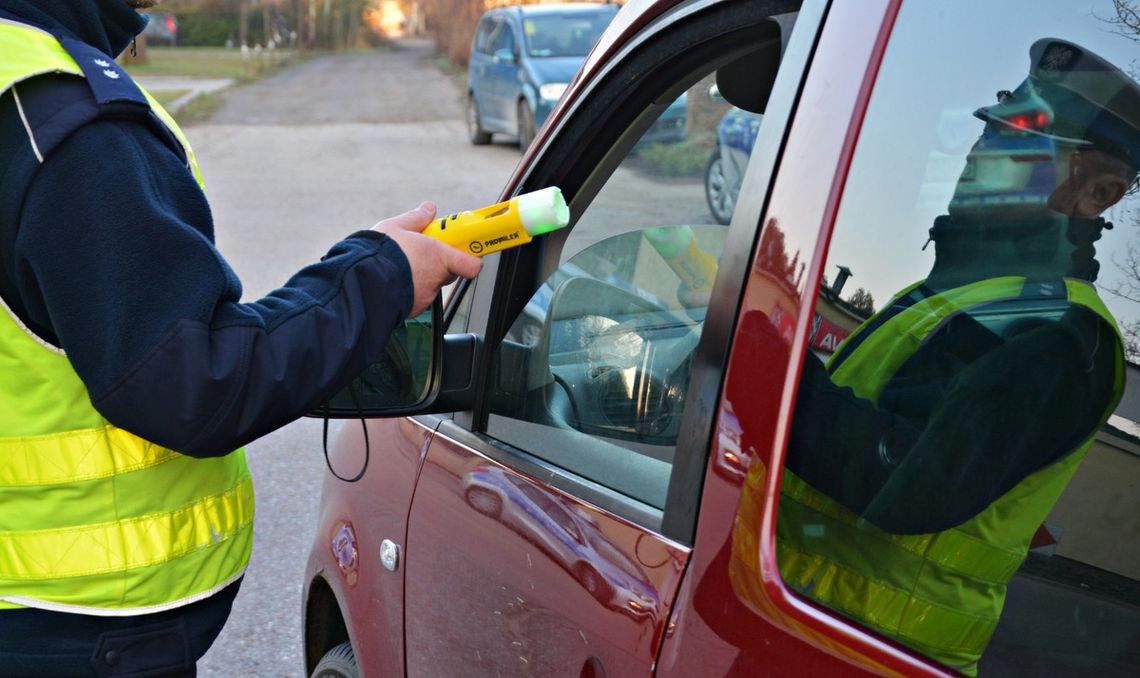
(589,580)
(716,187)
(472,118)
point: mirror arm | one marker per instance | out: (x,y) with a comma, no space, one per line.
(457,387)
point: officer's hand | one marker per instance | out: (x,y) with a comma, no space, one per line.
(433,263)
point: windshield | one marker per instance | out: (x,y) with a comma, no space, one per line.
(564,35)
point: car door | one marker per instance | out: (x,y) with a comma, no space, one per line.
(890,150)
(551,527)
(502,75)
(479,63)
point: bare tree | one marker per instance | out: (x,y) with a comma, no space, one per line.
(1125,21)
(862,300)
(452,24)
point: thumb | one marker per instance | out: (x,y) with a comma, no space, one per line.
(463,264)
(412,220)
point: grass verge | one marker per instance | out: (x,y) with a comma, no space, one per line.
(198,109)
(210,62)
(168,96)
(206,62)
(686,158)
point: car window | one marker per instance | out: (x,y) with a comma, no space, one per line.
(482,43)
(962,467)
(503,37)
(593,374)
(563,35)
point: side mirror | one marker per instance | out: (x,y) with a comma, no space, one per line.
(715,95)
(504,56)
(411,377)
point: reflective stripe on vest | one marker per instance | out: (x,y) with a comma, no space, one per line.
(940,593)
(95,519)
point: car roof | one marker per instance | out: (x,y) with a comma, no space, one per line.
(558,8)
(635,15)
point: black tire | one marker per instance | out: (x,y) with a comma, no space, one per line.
(339,662)
(475,131)
(526,125)
(717,192)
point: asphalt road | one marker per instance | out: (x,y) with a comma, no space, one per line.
(292,164)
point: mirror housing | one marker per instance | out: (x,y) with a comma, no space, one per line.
(411,376)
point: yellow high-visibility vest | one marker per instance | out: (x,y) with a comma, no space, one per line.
(939,593)
(94,519)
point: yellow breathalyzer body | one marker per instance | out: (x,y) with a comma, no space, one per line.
(506,224)
(677,245)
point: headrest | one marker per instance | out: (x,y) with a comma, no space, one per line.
(747,81)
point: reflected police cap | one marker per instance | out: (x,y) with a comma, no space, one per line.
(1084,99)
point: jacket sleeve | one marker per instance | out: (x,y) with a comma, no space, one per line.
(1014,411)
(115,255)
(1008,413)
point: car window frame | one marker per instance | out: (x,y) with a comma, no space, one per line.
(483,31)
(581,170)
(504,25)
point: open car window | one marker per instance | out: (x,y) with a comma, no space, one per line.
(594,373)
(598,364)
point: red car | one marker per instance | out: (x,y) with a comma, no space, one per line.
(597,458)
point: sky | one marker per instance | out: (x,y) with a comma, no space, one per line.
(944,60)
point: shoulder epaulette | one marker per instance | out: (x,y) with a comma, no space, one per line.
(53,105)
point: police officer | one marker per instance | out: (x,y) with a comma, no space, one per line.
(129,371)
(940,434)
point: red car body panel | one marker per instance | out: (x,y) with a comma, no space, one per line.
(364,591)
(481,586)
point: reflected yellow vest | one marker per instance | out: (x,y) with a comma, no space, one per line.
(940,593)
(94,519)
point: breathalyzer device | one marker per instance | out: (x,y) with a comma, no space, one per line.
(506,224)
(677,245)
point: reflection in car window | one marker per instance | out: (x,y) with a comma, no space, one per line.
(962,468)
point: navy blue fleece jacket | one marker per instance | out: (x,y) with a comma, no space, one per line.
(107,250)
